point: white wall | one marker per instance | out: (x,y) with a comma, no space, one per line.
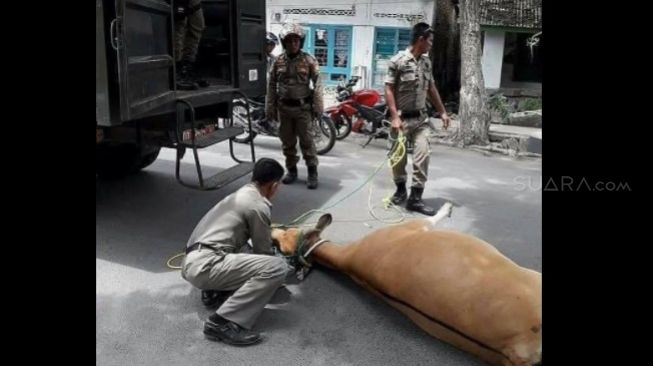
(362,54)
(492,59)
(368,14)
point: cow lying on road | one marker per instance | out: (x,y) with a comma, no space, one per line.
(455,286)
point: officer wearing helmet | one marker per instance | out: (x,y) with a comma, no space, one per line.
(294,103)
(271,41)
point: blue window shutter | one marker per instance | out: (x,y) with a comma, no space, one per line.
(387,42)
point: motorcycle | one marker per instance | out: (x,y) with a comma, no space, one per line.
(342,113)
(364,106)
(322,129)
(369,110)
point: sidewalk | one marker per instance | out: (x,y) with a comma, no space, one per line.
(503,138)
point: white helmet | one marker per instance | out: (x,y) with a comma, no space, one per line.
(292,28)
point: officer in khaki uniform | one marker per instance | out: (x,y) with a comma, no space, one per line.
(189,25)
(291,98)
(408,82)
(214,258)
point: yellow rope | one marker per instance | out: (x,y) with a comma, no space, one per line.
(173,258)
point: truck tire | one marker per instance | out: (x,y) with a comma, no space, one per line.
(149,158)
(116,161)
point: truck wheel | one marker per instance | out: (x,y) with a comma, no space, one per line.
(149,158)
(116,161)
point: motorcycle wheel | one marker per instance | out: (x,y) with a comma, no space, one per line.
(239,119)
(324,134)
(342,125)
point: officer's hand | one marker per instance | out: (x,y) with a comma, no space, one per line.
(445,120)
(396,124)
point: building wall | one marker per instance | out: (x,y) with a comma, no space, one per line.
(492,59)
(362,15)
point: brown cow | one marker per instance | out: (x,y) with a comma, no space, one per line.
(456,287)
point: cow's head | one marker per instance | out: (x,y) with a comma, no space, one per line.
(297,244)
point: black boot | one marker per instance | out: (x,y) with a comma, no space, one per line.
(400,194)
(291,176)
(265,126)
(415,202)
(218,328)
(311,183)
(183,79)
(194,76)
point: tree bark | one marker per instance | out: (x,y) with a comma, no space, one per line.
(474,113)
(445,53)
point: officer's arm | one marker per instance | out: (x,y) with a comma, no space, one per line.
(390,100)
(435,98)
(259,228)
(390,80)
(271,100)
(318,103)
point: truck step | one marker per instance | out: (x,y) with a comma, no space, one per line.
(227,176)
(214,137)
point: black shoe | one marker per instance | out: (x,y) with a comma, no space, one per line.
(218,328)
(192,74)
(311,183)
(290,176)
(265,127)
(212,297)
(186,84)
(416,204)
(400,194)
(201,82)
(184,79)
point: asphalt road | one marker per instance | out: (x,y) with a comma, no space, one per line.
(146,314)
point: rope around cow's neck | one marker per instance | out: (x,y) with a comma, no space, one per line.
(393,158)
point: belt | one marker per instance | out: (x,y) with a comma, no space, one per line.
(410,114)
(295,102)
(197,246)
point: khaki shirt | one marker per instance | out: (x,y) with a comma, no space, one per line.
(290,78)
(241,215)
(411,79)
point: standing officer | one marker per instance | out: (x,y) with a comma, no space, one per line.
(407,84)
(291,97)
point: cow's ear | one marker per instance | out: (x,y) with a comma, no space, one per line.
(311,236)
(323,222)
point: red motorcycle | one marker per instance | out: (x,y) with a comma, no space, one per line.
(363,111)
(345,112)
(365,107)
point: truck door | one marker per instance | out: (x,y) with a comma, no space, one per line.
(250,20)
(142,36)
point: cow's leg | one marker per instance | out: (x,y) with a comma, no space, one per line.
(444,211)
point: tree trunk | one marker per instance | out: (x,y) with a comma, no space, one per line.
(474,113)
(445,53)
